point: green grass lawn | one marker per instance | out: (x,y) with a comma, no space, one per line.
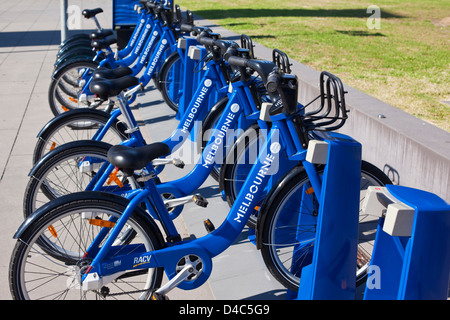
(406,62)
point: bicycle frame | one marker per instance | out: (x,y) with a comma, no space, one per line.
(139,52)
(240,106)
(214,80)
(149,33)
(207,246)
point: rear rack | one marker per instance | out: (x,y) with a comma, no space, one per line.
(332,113)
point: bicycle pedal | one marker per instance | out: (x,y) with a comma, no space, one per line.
(209,226)
(158,296)
(200,200)
(178,163)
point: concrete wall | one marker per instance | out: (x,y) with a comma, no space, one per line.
(412,152)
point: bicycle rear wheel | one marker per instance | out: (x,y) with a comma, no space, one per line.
(287,246)
(52,269)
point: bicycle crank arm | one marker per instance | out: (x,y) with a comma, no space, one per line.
(188,270)
(176,162)
(196,198)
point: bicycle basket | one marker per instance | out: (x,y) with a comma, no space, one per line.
(332,113)
(281,60)
(247,43)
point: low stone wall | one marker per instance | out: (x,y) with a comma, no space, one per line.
(412,152)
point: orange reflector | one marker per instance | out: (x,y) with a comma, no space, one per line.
(257,208)
(101,223)
(53,146)
(73,99)
(113,177)
(310,190)
(64,108)
(53,231)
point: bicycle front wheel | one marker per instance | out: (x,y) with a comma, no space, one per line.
(49,259)
(65,86)
(77,125)
(288,226)
(69,169)
(170,80)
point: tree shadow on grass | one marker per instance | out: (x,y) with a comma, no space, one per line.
(360,33)
(255,13)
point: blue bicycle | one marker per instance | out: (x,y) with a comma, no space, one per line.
(79,165)
(153,40)
(117,251)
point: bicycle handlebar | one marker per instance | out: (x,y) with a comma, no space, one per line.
(207,41)
(262,67)
(191,28)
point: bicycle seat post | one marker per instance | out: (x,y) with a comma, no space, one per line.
(129,119)
(99,28)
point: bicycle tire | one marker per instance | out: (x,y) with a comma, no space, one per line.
(79,124)
(171,90)
(37,269)
(57,102)
(284,202)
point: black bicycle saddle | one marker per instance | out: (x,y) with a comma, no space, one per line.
(89,13)
(106,73)
(101,35)
(103,43)
(106,88)
(129,158)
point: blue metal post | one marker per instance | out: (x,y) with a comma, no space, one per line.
(187,81)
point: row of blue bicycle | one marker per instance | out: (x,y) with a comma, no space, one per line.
(99,222)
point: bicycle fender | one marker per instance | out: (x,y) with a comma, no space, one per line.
(76,54)
(73,197)
(69,145)
(270,197)
(59,68)
(69,114)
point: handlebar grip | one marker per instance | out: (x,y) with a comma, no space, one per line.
(198,30)
(238,61)
(273,82)
(206,41)
(186,27)
(151,5)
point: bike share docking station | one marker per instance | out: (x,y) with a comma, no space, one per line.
(332,271)
(411,254)
(412,245)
